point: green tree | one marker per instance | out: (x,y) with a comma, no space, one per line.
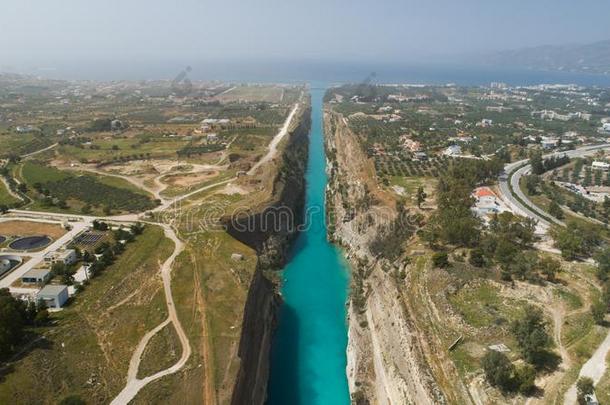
(525,379)
(498,370)
(548,267)
(537,163)
(531,184)
(440,260)
(530,333)
(555,210)
(603,263)
(584,387)
(598,311)
(477,257)
(576,239)
(11,322)
(421,196)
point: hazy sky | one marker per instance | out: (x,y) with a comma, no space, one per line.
(45,32)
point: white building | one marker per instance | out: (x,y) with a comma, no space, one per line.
(67,257)
(54,296)
(597,165)
(36,276)
(486,122)
(549,143)
(606,127)
(453,150)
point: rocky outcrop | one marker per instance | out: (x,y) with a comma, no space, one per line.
(270,229)
(386,364)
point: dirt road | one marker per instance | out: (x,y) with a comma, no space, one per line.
(594,368)
(272,148)
(134,384)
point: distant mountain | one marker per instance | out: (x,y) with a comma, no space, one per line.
(589,58)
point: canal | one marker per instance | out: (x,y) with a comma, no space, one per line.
(308,357)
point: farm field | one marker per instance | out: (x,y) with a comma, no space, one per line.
(244,93)
(82,190)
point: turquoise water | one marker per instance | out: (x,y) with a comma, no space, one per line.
(308,355)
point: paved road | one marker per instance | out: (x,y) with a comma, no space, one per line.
(596,366)
(517,170)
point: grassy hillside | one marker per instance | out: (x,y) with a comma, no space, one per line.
(87,349)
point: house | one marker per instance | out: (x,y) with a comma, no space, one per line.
(453,150)
(54,296)
(484,195)
(36,276)
(411,145)
(212,137)
(486,203)
(67,257)
(606,127)
(549,143)
(603,166)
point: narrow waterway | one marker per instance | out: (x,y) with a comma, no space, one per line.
(308,356)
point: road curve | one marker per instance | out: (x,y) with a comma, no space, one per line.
(134,384)
(522,205)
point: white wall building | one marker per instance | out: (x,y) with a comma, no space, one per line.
(54,296)
(597,165)
(66,257)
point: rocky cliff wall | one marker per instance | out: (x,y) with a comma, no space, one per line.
(385,362)
(270,229)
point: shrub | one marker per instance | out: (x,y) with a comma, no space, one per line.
(440,260)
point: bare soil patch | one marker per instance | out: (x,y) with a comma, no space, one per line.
(30,228)
(186,180)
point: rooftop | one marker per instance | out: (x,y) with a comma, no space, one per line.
(483,192)
(52,289)
(36,273)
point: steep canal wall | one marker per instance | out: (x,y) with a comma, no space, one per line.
(270,229)
(308,357)
(385,363)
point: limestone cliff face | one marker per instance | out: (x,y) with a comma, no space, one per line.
(386,364)
(270,229)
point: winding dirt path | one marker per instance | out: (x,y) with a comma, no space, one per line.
(9,190)
(27,155)
(134,384)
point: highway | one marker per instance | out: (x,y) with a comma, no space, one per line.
(522,205)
